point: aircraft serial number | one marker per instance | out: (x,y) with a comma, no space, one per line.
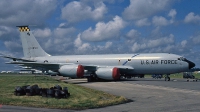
(147,62)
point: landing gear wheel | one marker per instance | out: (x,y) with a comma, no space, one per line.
(92,78)
(167,78)
(89,79)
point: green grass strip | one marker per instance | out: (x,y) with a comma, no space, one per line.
(81,97)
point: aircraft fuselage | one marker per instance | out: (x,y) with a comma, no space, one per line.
(148,63)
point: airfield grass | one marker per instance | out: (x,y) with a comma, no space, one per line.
(81,97)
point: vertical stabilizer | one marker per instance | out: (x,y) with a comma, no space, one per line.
(31,47)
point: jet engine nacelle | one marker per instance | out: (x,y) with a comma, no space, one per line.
(73,71)
(108,73)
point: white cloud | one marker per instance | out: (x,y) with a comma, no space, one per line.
(4,30)
(103,48)
(62,25)
(12,45)
(160,41)
(143,22)
(183,43)
(58,46)
(76,11)
(78,41)
(25,12)
(59,41)
(84,47)
(108,44)
(103,30)
(156,31)
(159,21)
(153,45)
(172,13)
(168,48)
(42,33)
(139,9)
(133,33)
(9,34)
(63,32)
(136,47)
(81,47)
(195,39)
(192,18)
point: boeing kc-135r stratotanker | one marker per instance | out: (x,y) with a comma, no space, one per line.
(93,67)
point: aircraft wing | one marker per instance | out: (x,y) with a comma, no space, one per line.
(56,66)
(38,65)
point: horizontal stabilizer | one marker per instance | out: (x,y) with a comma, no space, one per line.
(39,65)
(16,59)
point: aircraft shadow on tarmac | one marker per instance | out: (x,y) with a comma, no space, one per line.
(121,80)
(142,79)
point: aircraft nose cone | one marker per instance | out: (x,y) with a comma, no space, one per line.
(191,64)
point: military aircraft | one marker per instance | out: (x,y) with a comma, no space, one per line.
(94,67)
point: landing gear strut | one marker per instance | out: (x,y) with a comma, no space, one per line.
(92,78)
(167,78)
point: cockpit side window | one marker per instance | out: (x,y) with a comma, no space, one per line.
(182,59)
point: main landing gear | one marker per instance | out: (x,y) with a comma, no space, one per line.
(167,78)
(92,78)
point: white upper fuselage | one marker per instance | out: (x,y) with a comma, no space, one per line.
(147,63)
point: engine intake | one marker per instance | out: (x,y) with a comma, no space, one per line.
(73,71)
(108,73)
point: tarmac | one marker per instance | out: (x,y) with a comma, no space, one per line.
(145,94)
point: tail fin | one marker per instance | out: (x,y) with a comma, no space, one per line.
(31,47)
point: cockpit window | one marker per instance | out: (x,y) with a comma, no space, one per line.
(182,59)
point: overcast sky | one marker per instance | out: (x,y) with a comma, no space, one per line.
(65,27)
